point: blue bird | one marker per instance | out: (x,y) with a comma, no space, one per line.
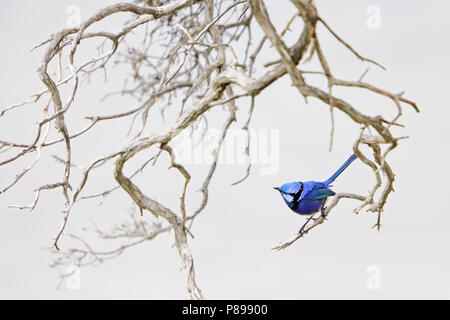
(307,198)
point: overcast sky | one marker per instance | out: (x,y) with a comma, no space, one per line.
(232,249)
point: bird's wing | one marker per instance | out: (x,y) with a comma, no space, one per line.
(319,193)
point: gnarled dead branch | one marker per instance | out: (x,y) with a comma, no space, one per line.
(206,58)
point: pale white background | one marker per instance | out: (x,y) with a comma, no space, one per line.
(240,224)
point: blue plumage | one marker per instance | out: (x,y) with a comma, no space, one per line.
(307,198)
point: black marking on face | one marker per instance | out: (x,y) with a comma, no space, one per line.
(297,197)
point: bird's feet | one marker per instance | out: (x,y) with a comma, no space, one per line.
(322,213)
(302,229)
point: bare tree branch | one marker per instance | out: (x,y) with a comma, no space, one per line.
(195,55)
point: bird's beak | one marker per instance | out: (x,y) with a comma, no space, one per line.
(277,188)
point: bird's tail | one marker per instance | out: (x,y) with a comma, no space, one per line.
(341,169)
